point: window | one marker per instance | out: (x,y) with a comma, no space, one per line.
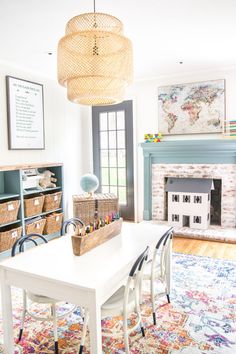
(197,199)
(175,198)
(113,153)
(197,219)
(186,198)
(175,217)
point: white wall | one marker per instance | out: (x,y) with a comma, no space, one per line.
(64,138)
(146,113)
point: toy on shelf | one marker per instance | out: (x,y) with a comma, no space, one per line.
(230,129)
(47,180)
(153,138)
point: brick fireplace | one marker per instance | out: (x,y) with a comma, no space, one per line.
(190,159)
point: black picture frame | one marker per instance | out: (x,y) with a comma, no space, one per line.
(25,114)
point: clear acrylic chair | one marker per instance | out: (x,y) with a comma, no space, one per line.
(158,269)
(123,302)
(74,222)
(21,244)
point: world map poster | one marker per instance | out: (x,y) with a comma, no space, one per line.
(193,108)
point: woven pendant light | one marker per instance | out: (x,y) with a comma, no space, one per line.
(95,60)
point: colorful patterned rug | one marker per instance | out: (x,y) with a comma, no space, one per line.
(201,318)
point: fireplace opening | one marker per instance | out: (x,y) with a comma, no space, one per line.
(215,206)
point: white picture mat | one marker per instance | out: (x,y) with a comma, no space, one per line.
(25,114)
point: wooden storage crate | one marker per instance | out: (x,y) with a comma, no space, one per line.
(8,236)
(9,211)
(83,244)
(33,205)
(35,227)
(52,201)
(97,206)
(53,223)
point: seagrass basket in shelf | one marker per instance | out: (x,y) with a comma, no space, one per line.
(33,205)
(9,211)
(52,201)
(8,236)
(83,244)
(35,226)
(53,223)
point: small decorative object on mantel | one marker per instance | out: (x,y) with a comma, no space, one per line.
(229,129)
(153,138)
(89,238)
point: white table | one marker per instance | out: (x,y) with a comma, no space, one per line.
(89,280)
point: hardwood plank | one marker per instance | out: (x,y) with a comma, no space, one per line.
(204,248)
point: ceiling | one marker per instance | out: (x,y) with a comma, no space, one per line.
(199,33)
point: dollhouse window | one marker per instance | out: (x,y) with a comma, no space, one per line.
(175,217)
(186,198)
(197,219)
(197,199)
(175,198)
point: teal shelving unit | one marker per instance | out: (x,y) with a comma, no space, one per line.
(11,188)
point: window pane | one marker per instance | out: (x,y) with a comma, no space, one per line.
(113,176)
(103,140)
(105,189)
(112,140)
(112,158)
(103,121)
(122,195)
(104,158)
(121,158)
(121,120)
(104,174)
(121,176)
(112,120)
(113,190)
(121,139)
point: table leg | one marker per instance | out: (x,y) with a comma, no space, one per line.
(7,316)
(95,329)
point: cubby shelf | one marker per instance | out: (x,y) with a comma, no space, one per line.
(11,188)
(4,196)
(44,213)
(35,191)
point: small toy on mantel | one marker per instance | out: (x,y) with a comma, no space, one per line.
(46,180)
(153,138)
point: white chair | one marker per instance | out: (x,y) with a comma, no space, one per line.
(124,302)
(37,298)
(158,269)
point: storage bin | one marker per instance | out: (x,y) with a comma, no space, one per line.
(97,206)
(36,226)
(9,211)
(53,223)
(33,206)
(52,201)
(8,236)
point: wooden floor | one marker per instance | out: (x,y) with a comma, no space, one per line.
(204,248)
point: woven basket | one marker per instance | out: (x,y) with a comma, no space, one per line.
(35,227)
(53,223)
(52,201)
(97,206)
(8,236)
(9,211)
(33,206)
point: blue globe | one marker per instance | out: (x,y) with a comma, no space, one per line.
(89,183)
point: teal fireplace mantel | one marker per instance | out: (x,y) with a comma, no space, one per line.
(183,152)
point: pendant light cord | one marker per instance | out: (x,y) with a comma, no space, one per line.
(94,8)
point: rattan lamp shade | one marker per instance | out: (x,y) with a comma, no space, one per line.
(95,60)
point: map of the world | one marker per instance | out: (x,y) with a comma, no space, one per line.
(191,108)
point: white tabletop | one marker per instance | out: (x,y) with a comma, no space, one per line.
(56,260)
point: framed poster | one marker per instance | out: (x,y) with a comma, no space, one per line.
(25,113)
(193,108)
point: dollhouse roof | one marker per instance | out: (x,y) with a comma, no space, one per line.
(189,185)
